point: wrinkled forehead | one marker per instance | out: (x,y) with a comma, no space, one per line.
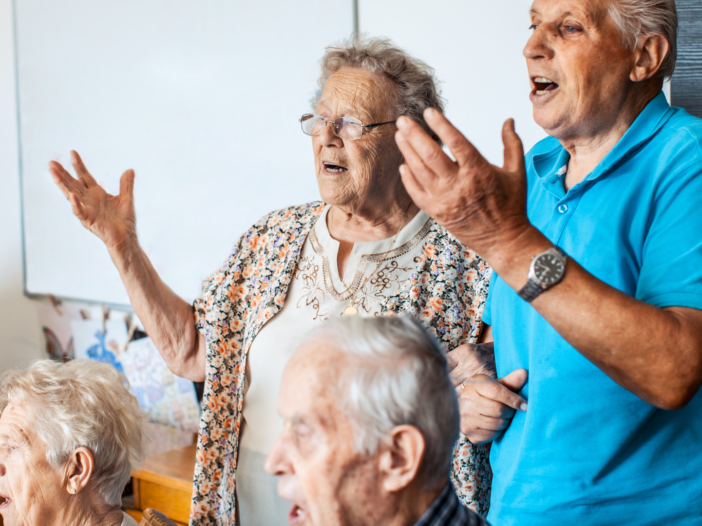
(358,93)
(15,423)
(595,11)
(311,383)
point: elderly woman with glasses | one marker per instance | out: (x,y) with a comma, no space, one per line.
(70,435)
(366,250)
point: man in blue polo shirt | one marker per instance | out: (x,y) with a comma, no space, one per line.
(596,300)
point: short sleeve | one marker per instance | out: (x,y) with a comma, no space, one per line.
(671,259)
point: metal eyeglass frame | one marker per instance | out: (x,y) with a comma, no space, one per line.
(336,131)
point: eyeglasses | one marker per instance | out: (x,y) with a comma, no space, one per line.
(344,127)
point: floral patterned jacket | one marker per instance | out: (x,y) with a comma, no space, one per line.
(446,291)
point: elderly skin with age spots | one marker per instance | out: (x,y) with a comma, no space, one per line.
(70,435)
(362,443)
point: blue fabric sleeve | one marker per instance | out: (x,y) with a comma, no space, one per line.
(671,260)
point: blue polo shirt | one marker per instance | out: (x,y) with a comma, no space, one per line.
(587,451)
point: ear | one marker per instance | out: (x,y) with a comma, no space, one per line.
(79,470)
(650,52)
(401,457)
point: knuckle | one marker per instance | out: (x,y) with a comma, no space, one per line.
(492,390)
(433,157)
(455,142)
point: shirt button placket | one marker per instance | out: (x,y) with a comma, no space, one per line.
(562,208)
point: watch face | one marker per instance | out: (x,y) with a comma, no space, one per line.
(548,269)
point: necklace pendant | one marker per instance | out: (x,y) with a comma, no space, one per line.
(349,311)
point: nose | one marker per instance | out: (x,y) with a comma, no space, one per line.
(538,45)
(329,138)
(277,462)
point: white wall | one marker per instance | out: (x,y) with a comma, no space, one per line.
(20,335)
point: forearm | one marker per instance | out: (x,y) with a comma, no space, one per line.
(166,317)
(652,352)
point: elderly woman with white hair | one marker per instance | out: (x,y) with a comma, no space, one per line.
(70,435)
(366,250)
(595,242)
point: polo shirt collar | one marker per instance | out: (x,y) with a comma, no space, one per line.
(654,115)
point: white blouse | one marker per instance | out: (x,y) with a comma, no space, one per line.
(373,273)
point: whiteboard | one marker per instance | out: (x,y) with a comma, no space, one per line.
(475,46)
(201,98)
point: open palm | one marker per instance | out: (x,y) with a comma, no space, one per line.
(110,217)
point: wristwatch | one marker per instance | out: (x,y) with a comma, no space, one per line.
(546,270)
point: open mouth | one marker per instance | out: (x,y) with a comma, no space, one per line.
(6,503)
(544,85)
(334,168)
(296,515)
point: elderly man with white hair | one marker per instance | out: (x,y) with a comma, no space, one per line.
(596,245)
(371,419)
(70,435)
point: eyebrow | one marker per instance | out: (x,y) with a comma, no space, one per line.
(15,434)
(343,112)
(595,18)
(533,11)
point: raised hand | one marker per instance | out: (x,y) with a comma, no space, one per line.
(483,205)
(110,217)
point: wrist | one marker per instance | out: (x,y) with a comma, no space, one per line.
(510,256)
(124,252)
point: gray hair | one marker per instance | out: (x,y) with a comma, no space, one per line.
(82,403)
(417,87)
(398,376)
(636,18)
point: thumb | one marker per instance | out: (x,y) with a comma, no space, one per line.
(514,149)
(514,380)
(126,184)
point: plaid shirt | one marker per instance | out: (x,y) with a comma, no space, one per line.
(447,510)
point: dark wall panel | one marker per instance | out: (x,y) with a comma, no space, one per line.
(686,85)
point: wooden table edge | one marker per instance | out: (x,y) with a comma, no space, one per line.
(168,482)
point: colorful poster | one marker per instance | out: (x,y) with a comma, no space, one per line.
(100,341)
(169,399)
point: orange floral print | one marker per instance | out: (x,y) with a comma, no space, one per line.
(446,290)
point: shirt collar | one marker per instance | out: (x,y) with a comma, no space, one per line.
(650,120)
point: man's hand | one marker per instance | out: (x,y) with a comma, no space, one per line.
(488,405)
(482,205)
(110,217)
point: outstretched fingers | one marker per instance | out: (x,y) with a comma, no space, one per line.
(126,185)
(461,148)
(82,172)
(62,178)
(514,149)
(423,155)
(76,206)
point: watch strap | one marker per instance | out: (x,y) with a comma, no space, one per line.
(530,291)
(560,251)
